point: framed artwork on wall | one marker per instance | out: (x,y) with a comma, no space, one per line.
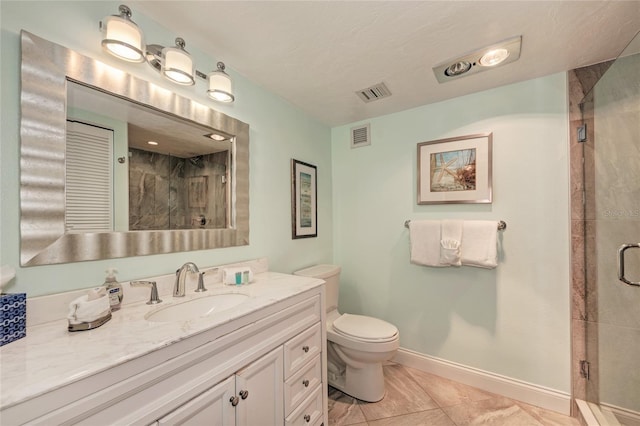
(455,170)
(304,212)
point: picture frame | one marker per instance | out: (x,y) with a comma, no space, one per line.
(456,170)
(304,206)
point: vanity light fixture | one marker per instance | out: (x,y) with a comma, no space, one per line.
(220,85)
(176,64)
(501,53)
(154,143)
(124,39)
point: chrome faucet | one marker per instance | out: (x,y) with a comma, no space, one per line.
(179,287)
(153,298)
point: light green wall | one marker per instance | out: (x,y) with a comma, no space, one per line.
(513,320)
(278,133)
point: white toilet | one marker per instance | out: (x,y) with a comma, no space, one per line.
(357,345)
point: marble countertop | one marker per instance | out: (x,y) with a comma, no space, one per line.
(50,356)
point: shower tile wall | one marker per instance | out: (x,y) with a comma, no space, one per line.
(581,82)
(610,216)
(167,192)
(617,214)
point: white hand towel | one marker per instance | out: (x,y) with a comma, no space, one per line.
(424,236)
(451,238)
(84,310)
(480,243)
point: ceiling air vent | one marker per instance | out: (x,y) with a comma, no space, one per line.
(361,136)
(374,93)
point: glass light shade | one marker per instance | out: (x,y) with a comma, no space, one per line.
(220,88)
(494,57)
(123,39)
(177,66)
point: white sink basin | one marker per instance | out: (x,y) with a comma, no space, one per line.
(197,308)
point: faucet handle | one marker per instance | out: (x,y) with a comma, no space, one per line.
(201,287)
(154,298)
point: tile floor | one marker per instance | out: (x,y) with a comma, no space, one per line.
(416,398)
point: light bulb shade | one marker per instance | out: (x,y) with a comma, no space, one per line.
(177,66)
(220,87)
(123,39)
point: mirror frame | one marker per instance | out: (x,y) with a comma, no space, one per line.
(45,68)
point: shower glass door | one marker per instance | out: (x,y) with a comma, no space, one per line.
(612,212)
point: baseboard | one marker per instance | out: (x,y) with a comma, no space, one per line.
(529,393)
(625,416)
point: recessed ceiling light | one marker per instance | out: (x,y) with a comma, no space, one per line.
(216,136)
(152,143)
(494,57)
(479,60)
(458,68)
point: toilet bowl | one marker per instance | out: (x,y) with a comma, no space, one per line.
(357,345)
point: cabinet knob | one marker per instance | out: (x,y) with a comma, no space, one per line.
(305,382)
(234,400)
(244,394)
(305,349)
(307,418)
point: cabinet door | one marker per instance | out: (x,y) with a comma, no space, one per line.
(213,407)
(260,389)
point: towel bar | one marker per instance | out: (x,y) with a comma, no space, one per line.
(502,225)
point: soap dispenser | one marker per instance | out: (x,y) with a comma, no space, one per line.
(114,289)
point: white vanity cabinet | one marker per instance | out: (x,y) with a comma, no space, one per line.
(253,396)
(277,353)
(262,394)
(213,407)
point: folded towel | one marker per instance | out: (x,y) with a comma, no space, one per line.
(479,243)
(84,310)
(451,238)
(237,275)
(424,236)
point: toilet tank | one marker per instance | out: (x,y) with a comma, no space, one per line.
(331,275)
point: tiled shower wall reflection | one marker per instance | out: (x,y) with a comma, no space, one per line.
(167,192)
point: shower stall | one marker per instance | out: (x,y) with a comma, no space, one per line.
(605,152)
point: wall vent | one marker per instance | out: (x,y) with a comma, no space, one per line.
(361,136)
(374,93)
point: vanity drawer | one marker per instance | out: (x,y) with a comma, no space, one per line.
(309,412)
(301,384)
(301,349)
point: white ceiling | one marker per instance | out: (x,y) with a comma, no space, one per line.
(317,54)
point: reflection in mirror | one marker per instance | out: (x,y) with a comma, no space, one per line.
(60,221)
(177,171)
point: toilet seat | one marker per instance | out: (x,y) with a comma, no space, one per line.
(365,329)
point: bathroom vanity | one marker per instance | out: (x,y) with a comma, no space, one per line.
(261,362)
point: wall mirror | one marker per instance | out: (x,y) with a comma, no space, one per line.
(188,192)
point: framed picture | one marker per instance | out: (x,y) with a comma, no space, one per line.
(304,212)
(455,170)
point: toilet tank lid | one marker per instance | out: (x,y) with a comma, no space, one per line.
(319,271)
